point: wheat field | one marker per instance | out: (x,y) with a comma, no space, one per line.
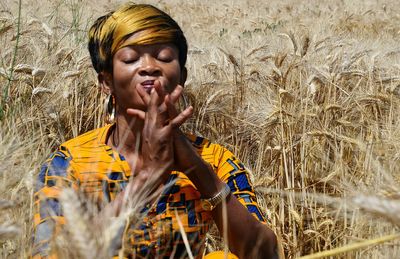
(306,93)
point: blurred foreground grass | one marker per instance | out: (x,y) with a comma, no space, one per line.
(307,94)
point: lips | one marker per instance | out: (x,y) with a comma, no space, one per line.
(148,82)
(148,85)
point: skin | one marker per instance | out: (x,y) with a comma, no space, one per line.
(147,81)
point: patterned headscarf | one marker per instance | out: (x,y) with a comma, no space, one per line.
(110,32)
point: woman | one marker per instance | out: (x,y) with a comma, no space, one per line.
(139,53)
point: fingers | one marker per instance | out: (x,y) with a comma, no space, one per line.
(176,93)
(182,117)
(176,118)
(161,107)
(137,113)
(170,105)
(156,111)
(143,94)
(150,101)
(153,100)
(160,91)
(146,97)
(170,100)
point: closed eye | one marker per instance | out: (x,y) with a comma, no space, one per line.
(128,55)
(166,55)
(130,60)
(165,59)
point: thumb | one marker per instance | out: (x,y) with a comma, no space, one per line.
(136,112)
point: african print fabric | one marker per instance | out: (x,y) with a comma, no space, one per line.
(88,164)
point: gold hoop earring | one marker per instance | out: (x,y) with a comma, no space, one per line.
(109,108)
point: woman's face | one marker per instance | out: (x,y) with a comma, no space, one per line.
(144,66)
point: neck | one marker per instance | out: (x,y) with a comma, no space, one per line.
(125,138)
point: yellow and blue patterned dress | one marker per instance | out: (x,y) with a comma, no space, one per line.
(88,164)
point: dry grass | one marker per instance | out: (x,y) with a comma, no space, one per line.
(306,93)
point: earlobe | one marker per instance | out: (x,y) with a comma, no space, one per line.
(183,76)
(105,82)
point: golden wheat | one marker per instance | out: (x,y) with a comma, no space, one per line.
(306,94)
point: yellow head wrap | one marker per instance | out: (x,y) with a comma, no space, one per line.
(109,33)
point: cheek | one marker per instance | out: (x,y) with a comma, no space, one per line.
(122,76)
(174,76)
(124,89)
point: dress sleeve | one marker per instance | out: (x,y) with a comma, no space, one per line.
(55,174)
(233,172)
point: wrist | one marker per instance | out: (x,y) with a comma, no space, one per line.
(185,156)
(211,203)
(197,170)
(206,180)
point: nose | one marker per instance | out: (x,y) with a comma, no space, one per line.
(149,67)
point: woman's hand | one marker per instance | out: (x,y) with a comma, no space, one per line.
(185,156)
(160,120)
(186,159)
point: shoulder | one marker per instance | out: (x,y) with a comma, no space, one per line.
(209,151)
(60,162)
(65,152)
(217,155)
(197,141)
(203,145)
(91,138)
(86,144)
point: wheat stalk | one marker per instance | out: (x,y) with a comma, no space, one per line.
(352,247)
